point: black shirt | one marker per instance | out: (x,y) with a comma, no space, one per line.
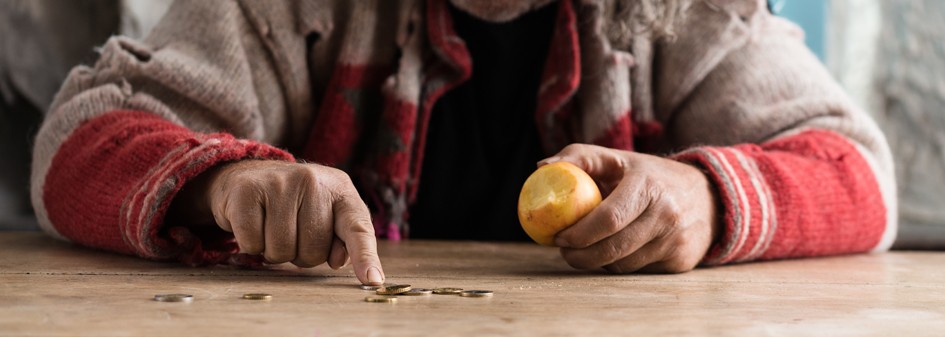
(482,142)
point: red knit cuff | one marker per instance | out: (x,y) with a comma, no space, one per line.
(113,178)
(809,194)
(142,215)
(749,220)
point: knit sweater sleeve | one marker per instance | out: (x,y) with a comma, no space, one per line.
(122,137)
(798,169)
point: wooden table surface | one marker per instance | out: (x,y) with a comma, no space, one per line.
(50,288)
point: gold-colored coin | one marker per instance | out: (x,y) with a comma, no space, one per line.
(380,299)
(419,292)
(370,287)
(393,289)
(174,298)
(257,297)
(476,293)
(447,291)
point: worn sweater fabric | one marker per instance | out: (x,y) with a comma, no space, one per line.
(798,170)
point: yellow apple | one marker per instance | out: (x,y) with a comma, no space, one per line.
(553,198)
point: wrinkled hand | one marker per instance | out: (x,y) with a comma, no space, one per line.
(306,214)
(658,215)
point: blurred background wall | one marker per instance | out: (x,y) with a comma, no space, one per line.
(40,40)
(888,54)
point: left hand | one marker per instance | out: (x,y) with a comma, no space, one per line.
(658,215)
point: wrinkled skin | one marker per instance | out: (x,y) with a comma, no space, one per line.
(658,215)
(306,214)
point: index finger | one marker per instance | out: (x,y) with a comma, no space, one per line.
(354,227)
(601,163)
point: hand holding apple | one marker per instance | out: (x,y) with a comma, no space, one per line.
(658,215)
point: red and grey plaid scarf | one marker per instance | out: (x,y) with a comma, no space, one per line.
(373,118)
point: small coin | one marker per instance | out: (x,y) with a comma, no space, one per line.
(257,297)
(393,289)
(476,293)
(380,299)
(174,298)
(370,287)
(447,291)
(419,292)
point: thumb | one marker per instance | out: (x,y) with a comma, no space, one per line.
(353,226)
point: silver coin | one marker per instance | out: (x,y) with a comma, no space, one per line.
(370,287)
(418,292)
(476,293)
(174,298)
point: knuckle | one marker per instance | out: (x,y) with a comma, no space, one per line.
(336,181)
(337,174)
(671,209)
(614,220)
(303,175)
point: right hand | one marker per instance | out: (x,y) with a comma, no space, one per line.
(306,214)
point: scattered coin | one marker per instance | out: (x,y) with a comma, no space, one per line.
(447,291)
(394,289)
(174,298)
(380,299)
(476,293)
(257,297)
(419,292)
(370,287)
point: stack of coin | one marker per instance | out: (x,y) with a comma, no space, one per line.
(389,291)
(447,291)
(418,292)
(394,289)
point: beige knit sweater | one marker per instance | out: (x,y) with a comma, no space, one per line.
(799,169)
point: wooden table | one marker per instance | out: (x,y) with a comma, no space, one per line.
(49,288)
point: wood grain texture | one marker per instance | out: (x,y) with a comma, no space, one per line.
(49,288)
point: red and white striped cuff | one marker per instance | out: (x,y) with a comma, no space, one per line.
(749,215)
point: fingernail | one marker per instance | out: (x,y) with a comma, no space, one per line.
(561,242)
(374,276)
(549,160)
